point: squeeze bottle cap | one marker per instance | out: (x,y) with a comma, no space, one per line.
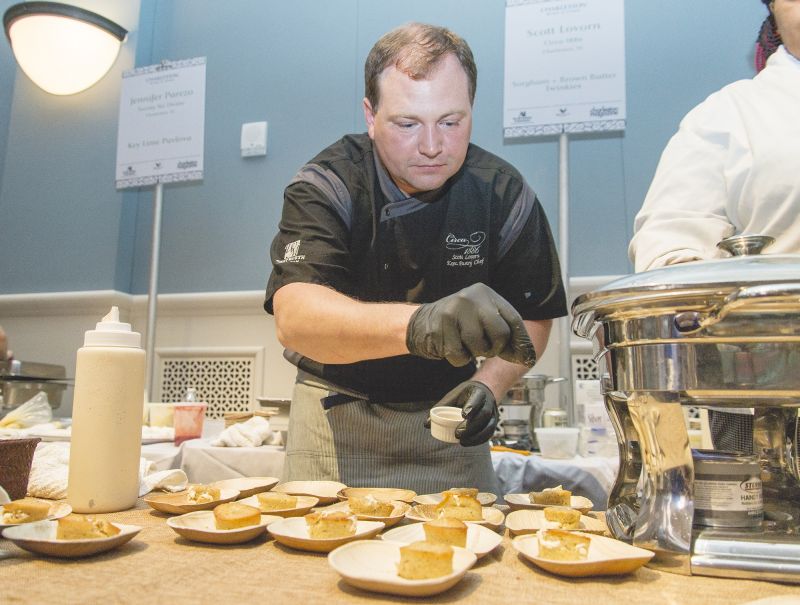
(111,332)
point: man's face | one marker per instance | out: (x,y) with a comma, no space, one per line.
(787,16)
(421,128)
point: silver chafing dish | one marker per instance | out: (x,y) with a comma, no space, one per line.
(723,333)
(21,380)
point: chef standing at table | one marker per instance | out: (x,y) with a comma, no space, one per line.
(404,254)
(732,168)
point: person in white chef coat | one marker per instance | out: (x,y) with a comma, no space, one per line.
(732,168)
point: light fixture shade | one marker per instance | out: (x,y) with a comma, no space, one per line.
(63,49)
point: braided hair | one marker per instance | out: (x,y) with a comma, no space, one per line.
(768,39)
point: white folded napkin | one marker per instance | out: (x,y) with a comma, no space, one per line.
(158,433)
(170,480)
(50,471)
(60,430)
(251,433)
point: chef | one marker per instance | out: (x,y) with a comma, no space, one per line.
(732,168)
(403,255)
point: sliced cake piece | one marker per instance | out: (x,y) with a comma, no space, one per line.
(560,545)
(25,510)
(423,560)
(233,515)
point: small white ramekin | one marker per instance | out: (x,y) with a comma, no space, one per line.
(444,421)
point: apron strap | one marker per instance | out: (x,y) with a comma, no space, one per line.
(335,399)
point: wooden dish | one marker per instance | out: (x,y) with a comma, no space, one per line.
(399,512)
(525,521)
(521,501)
(236,417)
(480,539)
(379,493)
(247,486)
(304,504)
(607,557)
(57,510)
(40,538)
(372,565)
(179,504)
(293,532)
(485,498)
(325,491)
(199,526)
(492,517)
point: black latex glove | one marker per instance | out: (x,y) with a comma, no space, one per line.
(473,322)
(479,409)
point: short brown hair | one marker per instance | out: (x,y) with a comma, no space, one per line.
(414,49)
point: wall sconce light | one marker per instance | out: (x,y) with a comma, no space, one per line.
(63,49)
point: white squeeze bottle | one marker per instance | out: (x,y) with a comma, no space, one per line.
(107,419)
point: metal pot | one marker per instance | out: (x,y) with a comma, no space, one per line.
(21,380)
(521,410)
(723,333)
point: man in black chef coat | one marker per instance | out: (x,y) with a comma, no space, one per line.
(403,255)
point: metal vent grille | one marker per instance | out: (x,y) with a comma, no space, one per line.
(225,382)
(584,367)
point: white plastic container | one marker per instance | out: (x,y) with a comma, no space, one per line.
(557,441)
(106,439)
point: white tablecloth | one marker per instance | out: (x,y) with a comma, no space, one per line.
(203,463)
(591,477)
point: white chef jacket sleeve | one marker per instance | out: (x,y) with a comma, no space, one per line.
(684,214)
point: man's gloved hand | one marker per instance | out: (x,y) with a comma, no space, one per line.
(479,409)
(473,322)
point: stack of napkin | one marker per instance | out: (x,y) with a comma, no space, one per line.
(50,471)
(251,433)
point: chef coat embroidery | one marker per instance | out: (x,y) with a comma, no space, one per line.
(466,250)
(290,253)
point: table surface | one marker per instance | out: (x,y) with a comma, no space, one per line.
(158,566)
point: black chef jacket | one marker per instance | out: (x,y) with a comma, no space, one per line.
(347,226)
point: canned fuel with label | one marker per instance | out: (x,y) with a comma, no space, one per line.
(727,489)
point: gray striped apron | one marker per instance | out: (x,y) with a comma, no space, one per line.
(371,445)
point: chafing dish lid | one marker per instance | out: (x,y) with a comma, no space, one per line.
(694,285)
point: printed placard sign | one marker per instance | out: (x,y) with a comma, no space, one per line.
(161,123)
(564,67)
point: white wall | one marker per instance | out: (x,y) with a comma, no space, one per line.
(49,328)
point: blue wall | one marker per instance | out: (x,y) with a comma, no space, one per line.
(298,65)
(7,71)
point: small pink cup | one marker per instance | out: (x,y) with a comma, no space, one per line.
(188,421)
